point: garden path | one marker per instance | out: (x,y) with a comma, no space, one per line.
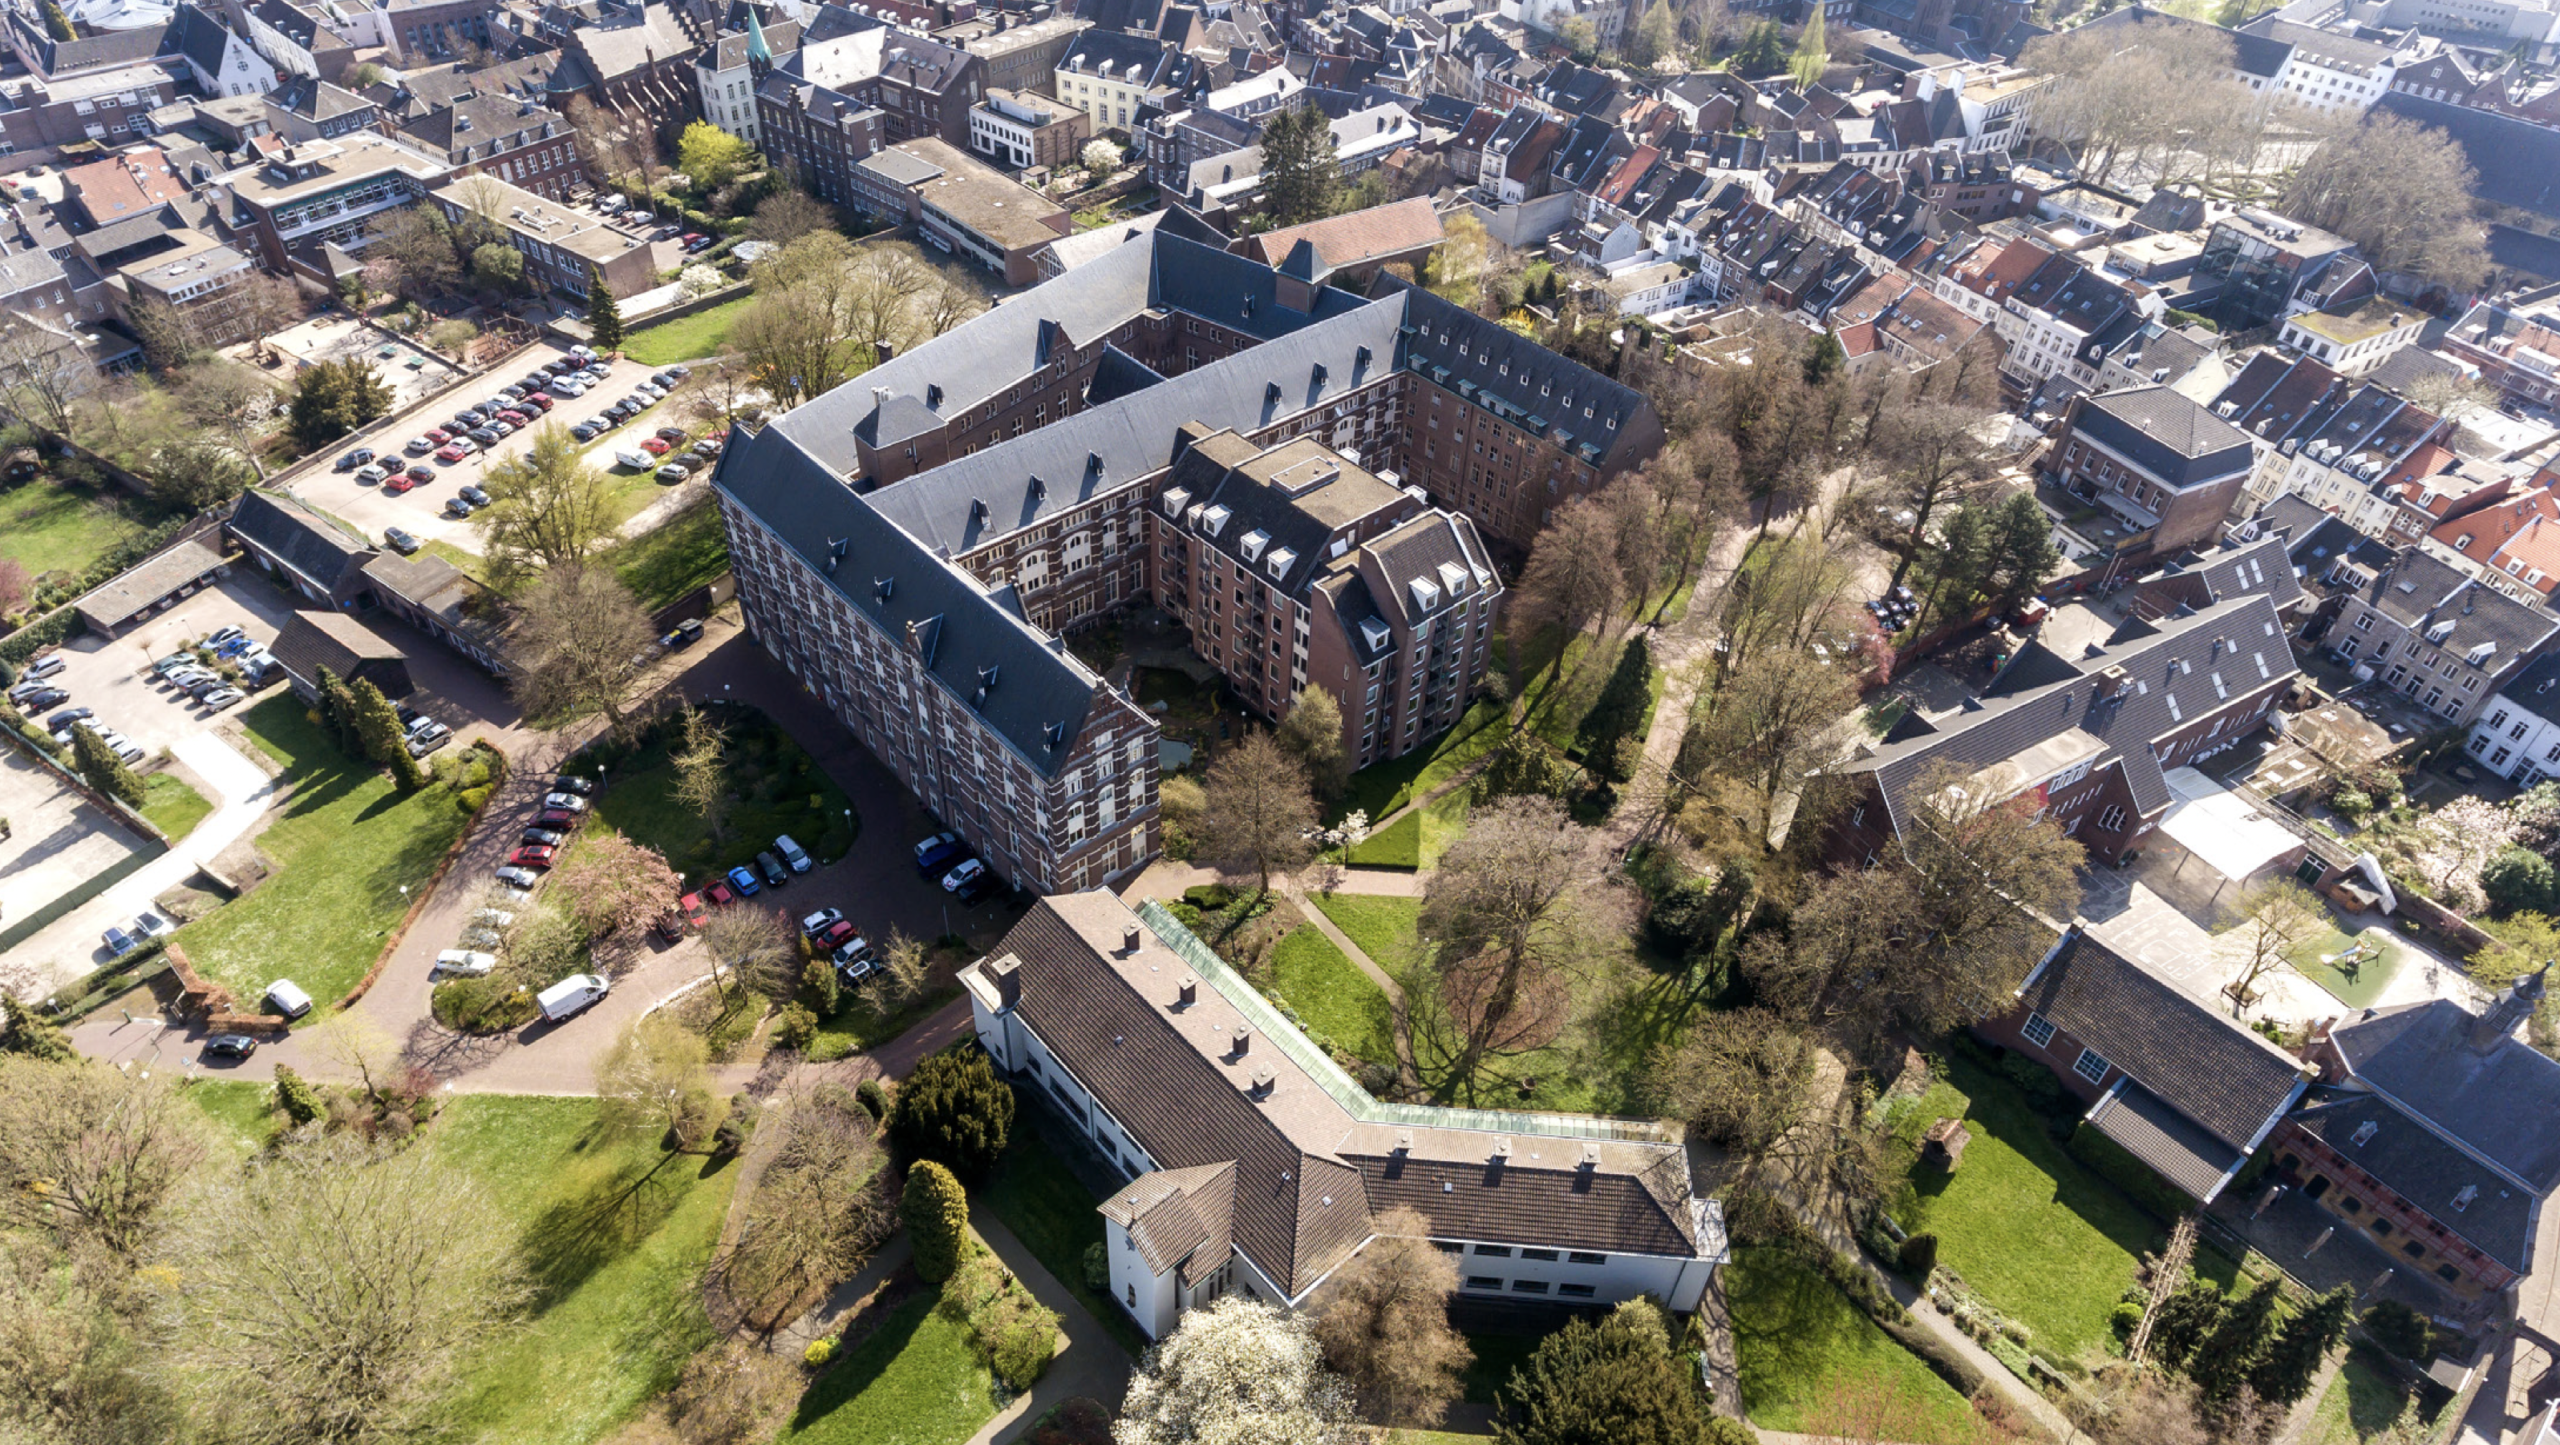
(1091,1363)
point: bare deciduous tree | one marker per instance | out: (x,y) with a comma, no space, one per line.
(702,774)
(810,1223)
(2403,192)
(1935,455)
(1259,811)
(1383,1320)
(654,1080)
(1573,579)
(789,214)
(581,641)
(349,1321)
(752,950)
(902,975)
(2282,916)
(234,404)
(88,1153)
(1778,717)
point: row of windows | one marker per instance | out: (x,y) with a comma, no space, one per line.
(1492,1284)
(2090,1065)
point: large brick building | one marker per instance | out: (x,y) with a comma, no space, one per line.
(908,543)
(2165,465)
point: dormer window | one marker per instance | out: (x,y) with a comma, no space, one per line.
(1252,543)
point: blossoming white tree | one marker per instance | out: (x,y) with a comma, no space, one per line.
(1236,1373)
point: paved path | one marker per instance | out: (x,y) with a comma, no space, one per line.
(243,793)
(1089,1362)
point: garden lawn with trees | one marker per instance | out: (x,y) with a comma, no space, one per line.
(1417,839)
(1039,1198)
(54,524)
(671,559)
(345,843)
(774,785)
(1800,1343)
(917,1380)
(1381,788)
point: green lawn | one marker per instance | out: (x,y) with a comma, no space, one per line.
(1381,788)
(345,844)
(2361,1403)
(1051,1211)
(238,1109)
(670,560)
(2357,989)
(777,788)
(48,525)
(1332,996)
(1385,928)
(1417,839)
(172,806)
(617,1245)
(2042,1238)
(687,338)
(1798,1340)
(916,1381)
(856,1027)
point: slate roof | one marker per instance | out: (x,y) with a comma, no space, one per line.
(1176,1214)
(2422,1167)
(2167,433)
(2175,1146)
(282,527)
(200,37)
(2224,1080)
(809,511)
(2420,591)
(1308,1172)
(1531,380)
(2178,669)
(2496,1104)
(121,598)
(310,641)
(2518,162)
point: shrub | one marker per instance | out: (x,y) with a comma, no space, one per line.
(793,1027)
(2126,1317)
(482,1005)
(472,800)
(1082,1421)
(819,1353)
(1918,1256)
(294,1095)
(873,1099)
(1097,1269)
(1023,1346)
(955,1111)
(1725,1430)
(936,1211)
(818,988)
(1209,897)
(2393,1325)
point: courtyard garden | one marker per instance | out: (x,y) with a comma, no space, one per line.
(664,563)
(687,338)
(344,846)
(1333,999)
(2366,1404)
(59,524)
(1037,1195)
(775,787)
(916,1380)
(1806,1353)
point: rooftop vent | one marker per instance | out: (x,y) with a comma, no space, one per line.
(1056,736)
(1039,489)
(1264,1081)
(881,587)
(2364,1133)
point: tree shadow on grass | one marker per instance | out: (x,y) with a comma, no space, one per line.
(1789,1324)
(596,1216)
(868,1362)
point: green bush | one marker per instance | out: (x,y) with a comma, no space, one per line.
(936,1212)
(1097,1268)
(294,1095)
(953,1110)
(793,1027)
(472,800)
(1209,897)
(1918,1256)
(2126,1317)
(2401,1330)
(1021,1348)
(56,626)
(873,1098)
(484,1005)
(818,988)
(820,1352)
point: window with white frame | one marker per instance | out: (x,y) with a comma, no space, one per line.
(2091,1065)
(2038,1029)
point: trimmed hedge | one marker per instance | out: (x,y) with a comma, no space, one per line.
(60,625)
(2113,1163)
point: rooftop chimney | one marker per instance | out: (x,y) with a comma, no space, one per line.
(1190,991)
(1263,1081)
(1243,1041)
(1129,939)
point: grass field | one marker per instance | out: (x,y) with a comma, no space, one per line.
(856,1027)
(1801,1344)
(1385,928)
(778,789)
(668,561)
(917,1381)
(48,525)
(687,338)
(346,842)
(1332,996)
(2357,989)
(172,806)
(2361,1404)
(1417,839)
(2039,1236)
(1051,1211)
(616,1244)
(1381,788)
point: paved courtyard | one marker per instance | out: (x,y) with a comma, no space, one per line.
(57,841)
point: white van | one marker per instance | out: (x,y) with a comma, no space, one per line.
(572,996)
(791,853)
(287,998)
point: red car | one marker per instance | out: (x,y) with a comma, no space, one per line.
(720,894)
(533,855)
(397,482)
(439,436)
(558,818)
(450,454)
(421,474)
(837,933)
(654,446)
(541,399)
(515,418)
(695,915)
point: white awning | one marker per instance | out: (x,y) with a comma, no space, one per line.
(2222,828)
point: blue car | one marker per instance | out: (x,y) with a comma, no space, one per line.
(743,879)
(937,853)
(120,943)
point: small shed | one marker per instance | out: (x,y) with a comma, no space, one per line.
(343,645)
(1943,1146)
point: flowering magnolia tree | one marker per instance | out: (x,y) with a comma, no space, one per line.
(699,281)
(1236,1373)
(2453,843)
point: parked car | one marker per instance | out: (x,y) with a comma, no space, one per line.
(567,387)
(486,436)
(396,485)
(473,495)
(400,541)
(820,921)
(566,802)
(286,997)
(420,446)
(229,1046)
(515,392)
(463,963)
(355,459)
(719,894)
(572,996)
(515,877)
(973,889)
(555,818)
(668,926)
(67,717)
(939,852)
(685,634)
(792,854)
(492,917)
(691,906)
(679,371)
(967,872)
(586,431)
(572,783)
(47,665)
(371,475)
(466,445)
(636,461)
(457,508)
(148,924)
(503,427)
(437,436)
(43,698)
(541,401)
(222,697)
(429,738)
(674,435)
(697,243)
(834,936)
(514,418)
(655,446)
(451,453)
(670,474)
(120,943)
(545,837)
(421,474)
(743,878)
(775,875)
(641,218)
(706,448)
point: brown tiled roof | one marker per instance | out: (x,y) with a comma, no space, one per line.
(2176,1147)
(2222,1076)
(1348,240)
(1171,1213)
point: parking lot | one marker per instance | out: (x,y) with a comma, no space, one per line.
(420,510)
(114,677)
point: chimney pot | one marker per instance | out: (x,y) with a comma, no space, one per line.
(1190,991)
(1243,1040)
